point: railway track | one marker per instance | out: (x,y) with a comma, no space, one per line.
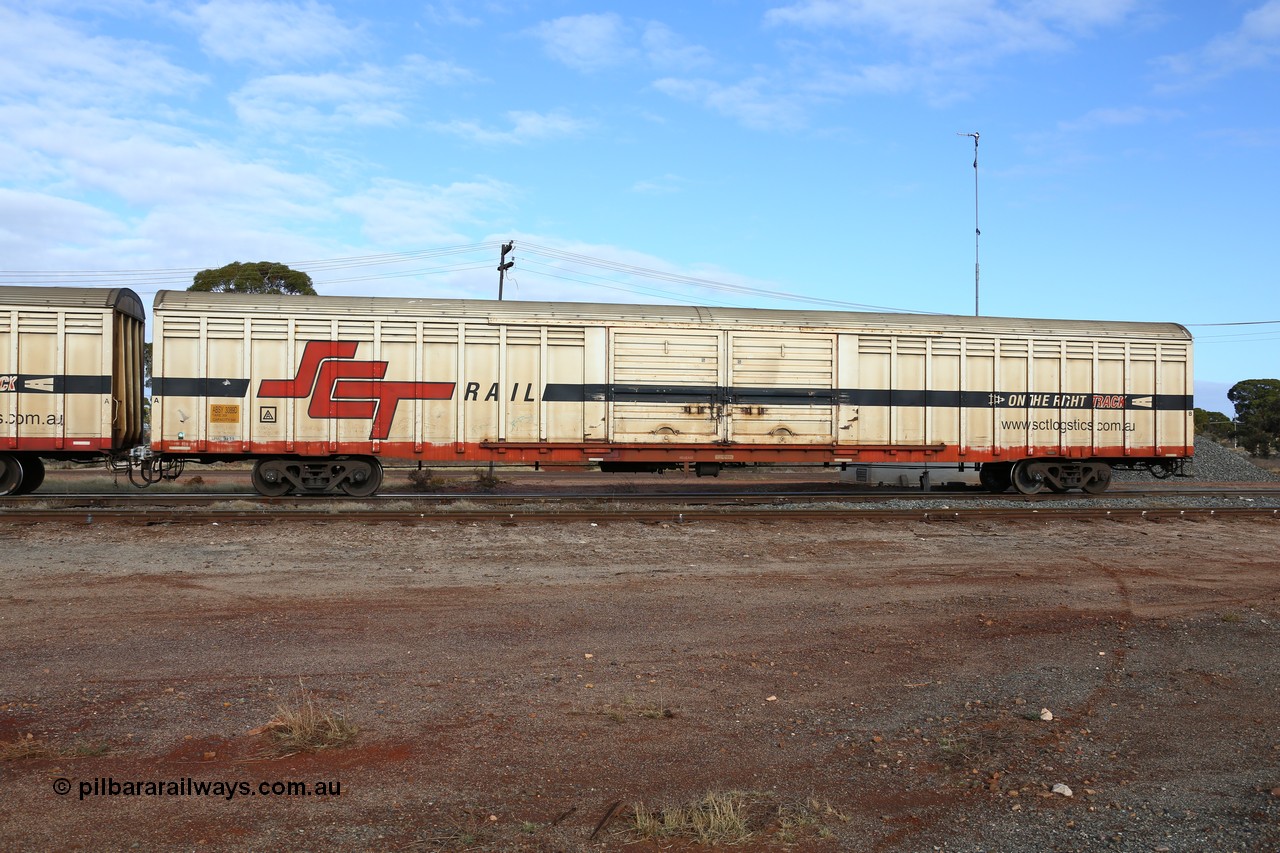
(694,515)
(746,496)
(653,507)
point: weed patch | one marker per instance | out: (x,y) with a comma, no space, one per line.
(734,817)
(302,725)
(30,749)
(423,480)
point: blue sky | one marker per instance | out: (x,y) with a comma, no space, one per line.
(729,152)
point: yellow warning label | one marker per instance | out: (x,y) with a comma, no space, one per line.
(224,413)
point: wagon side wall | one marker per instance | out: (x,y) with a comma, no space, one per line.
(70,371)
(257,383)
(480,381)
(1007,397)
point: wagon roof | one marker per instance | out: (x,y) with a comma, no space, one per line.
(569,313)
(120,299)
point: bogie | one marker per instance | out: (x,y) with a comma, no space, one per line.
(358,476)
(1033,476)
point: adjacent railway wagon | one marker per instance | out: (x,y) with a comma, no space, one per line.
(70,378)
(318,390)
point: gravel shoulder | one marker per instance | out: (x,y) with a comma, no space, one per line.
(880,684)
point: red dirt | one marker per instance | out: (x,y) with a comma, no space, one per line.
(512,682)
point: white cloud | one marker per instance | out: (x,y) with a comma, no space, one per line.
(1250,137)
(1105,117)
(35,218)
(888,79)
(591,43)
(938,48)
(667,184)
(295,103)
(144,163)
(586,42)
(666,50)
(273,34)
(46,59)
(448,14)
(996,26)
(1254,44)
(369,96)
(526,127)
(406,214)
(748,101)
(1073,143)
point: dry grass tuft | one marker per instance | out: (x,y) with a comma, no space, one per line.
(735,817)
(719,817)
(487,481)
(303,726)
(797,820)
(29,749)
(26,748)
(424,480)
(631,709)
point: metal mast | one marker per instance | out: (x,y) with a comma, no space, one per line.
(977,232)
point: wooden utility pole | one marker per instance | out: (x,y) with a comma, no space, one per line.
(503,265)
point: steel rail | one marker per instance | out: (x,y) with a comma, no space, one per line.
(153,516)
(727,497)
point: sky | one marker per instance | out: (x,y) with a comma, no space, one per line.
(752,153)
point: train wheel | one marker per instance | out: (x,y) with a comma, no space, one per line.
(1101,479)
(32,475)
(994,477)
(270,480)
(1027,479)
(10,474)
(363,477)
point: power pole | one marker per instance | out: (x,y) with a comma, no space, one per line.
(504,264)
(976,231)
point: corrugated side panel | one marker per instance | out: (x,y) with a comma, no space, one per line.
(776,386)
(666,385)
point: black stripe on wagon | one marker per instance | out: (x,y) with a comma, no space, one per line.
(178,386)
(44,383)
(872,397)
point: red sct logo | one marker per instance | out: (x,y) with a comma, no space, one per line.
(341,387)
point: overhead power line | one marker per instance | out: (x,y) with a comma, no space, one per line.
(1241,323)
(704,283)
(556,263)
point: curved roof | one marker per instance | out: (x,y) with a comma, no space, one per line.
(577,313)
(120,299)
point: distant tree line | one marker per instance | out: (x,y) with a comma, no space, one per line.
(1256,426)
(258,277)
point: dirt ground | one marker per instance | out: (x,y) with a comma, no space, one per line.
(860,685)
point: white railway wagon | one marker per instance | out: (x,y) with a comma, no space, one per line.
(319,389)
(70,378)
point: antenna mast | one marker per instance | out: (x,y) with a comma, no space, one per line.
(977,232)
